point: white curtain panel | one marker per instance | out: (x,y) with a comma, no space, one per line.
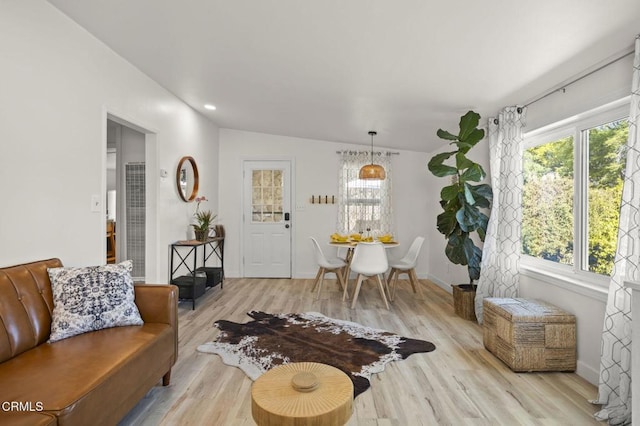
(364,204)
(502,246)
(614,390)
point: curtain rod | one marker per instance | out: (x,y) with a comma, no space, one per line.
(368,152)
(575,80)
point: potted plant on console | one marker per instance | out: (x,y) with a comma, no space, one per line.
(204,220)
(463,203)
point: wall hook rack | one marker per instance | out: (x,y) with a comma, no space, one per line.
(323,199)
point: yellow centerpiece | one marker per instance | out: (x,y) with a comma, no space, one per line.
(337,238)
(387,238)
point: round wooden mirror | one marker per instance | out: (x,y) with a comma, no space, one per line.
(187,179)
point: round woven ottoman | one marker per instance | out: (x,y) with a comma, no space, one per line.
(303,393)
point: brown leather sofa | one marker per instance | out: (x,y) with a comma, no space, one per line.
(91,379)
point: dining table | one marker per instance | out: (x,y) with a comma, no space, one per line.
(350,245)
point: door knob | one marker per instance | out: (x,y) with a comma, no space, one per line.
(287,226)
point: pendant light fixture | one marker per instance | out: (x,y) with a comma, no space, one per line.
(372,171)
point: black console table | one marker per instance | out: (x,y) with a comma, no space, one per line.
(185,253)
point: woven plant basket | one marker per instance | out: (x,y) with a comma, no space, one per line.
(464,301)
(201,234)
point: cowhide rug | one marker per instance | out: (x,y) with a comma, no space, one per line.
(273,339)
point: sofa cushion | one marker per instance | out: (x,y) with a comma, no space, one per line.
(92,298)
(75,379)
(26,304)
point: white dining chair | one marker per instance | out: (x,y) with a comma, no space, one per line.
(342,253)
(369,260)
(325,266)
(406,265)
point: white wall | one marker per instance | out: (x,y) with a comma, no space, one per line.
(58,84)
(604,86)
(133,146)
(316,172)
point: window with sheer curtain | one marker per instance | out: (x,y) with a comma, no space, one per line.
(364,206)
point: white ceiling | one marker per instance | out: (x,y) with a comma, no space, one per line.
(335,69)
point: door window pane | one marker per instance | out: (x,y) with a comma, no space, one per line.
(266,200)
(277,178)
(257,178)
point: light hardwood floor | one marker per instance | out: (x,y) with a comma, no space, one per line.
(459,383)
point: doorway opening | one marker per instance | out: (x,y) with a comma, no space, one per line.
(126,196)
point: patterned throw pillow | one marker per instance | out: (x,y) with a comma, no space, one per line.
(92,298)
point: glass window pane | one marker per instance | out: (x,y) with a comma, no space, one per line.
(547,201)
(267,178)
(607,156)
(256,178)
(267,215)
(277,178)
(256,213)
(267,194)
(277,197)
(256,197)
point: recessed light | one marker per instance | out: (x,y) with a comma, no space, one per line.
(210,107)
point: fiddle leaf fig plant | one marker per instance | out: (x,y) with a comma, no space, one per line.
(463,201)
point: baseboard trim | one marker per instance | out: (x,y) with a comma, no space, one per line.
(308,275)
(443,285)
(588,373)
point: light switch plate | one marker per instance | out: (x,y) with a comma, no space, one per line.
(95,203)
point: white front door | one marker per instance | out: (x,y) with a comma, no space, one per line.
(267,219)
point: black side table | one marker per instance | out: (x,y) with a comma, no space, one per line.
(192,286)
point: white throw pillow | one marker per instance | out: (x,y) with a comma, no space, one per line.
(92,298)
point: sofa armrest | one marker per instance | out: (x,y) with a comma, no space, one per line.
(158,303)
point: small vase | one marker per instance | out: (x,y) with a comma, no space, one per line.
(201,234)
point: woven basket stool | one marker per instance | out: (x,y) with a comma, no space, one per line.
(303,393)
(529,335)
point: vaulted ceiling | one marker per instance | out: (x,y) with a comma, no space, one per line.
(335,69)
